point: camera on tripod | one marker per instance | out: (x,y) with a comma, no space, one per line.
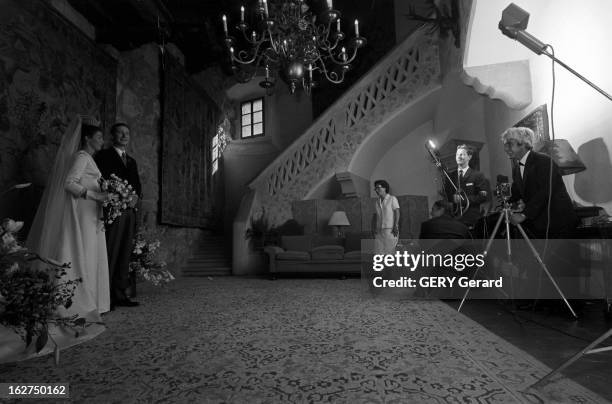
(503,189)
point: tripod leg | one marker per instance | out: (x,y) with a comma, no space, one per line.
(485,253)
(543,265)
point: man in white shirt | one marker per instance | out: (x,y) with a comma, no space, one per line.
(385,222)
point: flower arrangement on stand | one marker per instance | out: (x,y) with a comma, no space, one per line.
(144,263)
(121,195)
(30,294)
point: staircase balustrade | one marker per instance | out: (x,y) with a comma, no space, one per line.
(409,71)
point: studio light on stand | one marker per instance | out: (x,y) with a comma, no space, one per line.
(514,23)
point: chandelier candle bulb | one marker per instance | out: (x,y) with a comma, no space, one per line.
(338,25)
(224,24)
(265,4)
(254,36)
(343,54)
(357,28)
(330,4)
(241,13)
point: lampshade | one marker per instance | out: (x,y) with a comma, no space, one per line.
(338,218)
(563,155)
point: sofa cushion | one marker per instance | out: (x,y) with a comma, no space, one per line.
(293,256)
(328,252)
(297,243)
(352,255)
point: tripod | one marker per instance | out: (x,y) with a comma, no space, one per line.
(505,216)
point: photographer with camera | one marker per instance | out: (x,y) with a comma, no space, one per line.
(543,205)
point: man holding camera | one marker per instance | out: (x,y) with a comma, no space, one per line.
(531,184)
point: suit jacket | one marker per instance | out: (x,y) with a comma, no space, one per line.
(472,182)
(533,189)
(109,162)
(443,227)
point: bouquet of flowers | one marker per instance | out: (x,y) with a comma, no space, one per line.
(145,264)
(30,294)
(121,195)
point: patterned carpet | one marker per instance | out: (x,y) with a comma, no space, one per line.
(243,340)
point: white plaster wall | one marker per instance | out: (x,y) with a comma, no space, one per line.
(406,166)
(580,34)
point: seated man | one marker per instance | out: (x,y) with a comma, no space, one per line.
(442,225)
(442,234)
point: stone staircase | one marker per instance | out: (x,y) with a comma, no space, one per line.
(212,258)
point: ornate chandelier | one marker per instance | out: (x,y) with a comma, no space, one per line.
(288,41)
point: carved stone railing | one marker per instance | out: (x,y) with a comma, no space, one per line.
(409,71)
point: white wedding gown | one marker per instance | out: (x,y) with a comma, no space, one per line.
(80,241)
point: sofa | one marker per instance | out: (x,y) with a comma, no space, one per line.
(315,254)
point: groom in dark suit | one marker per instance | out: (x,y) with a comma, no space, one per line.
(120,234)
(532,181)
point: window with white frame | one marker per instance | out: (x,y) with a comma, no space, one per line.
(252,119)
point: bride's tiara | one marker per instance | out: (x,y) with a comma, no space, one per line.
(89,120)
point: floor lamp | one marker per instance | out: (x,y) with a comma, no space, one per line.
(513,24)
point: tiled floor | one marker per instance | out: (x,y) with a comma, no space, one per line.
(552,336)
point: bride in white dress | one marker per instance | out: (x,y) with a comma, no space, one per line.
(68,229)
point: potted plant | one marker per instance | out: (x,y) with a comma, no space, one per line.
(260,233)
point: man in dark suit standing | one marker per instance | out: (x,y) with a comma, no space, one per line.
(120,234)
(472,182)
(531,184)
(442,225)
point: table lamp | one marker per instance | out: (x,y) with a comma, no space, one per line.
(338,219)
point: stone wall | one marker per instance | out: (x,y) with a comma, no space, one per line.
(138,104)
(49,73)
